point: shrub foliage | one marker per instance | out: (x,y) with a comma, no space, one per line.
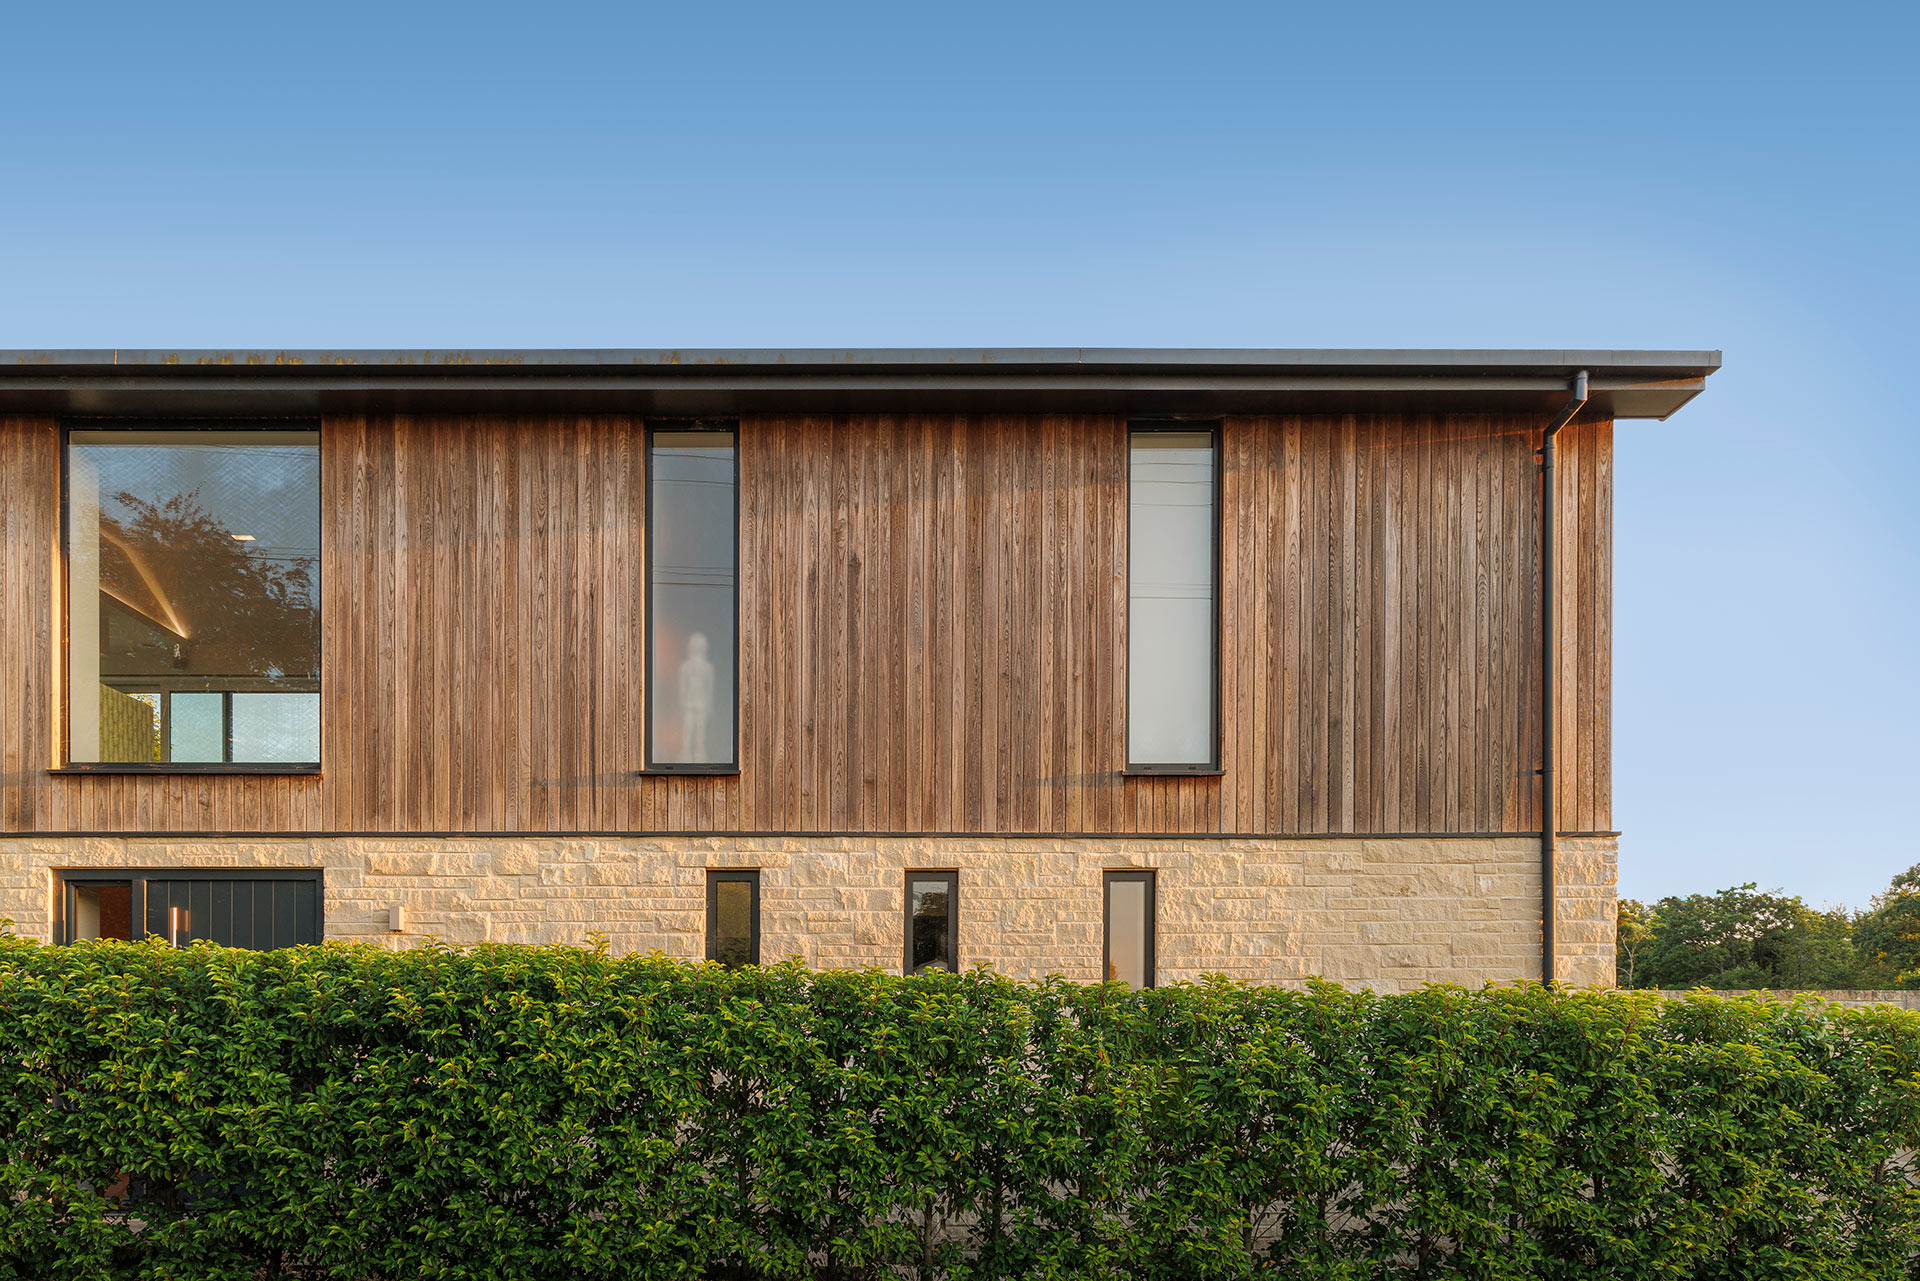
(348,1112)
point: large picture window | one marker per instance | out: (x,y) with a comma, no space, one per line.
(692,604)
(193,628)
(1172,619)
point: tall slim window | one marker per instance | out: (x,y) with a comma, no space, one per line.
(733,918)
(193,632)
(1129,928)
(933,911)
(692,568)
(1172,636)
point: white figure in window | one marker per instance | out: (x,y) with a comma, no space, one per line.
(696,698)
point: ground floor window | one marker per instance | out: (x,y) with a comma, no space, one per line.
(733,918)
(262,909)
(933,914)
(1129,928)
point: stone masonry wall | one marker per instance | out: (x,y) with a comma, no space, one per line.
(1390,914)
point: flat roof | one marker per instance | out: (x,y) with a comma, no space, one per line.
(1622,383)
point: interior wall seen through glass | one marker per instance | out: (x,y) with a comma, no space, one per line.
(102,911)
(1170,601)
(193,565)
(691,531)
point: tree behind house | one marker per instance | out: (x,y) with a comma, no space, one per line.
(1744,938)
(1888,934)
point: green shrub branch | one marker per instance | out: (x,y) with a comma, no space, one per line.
(348,1112)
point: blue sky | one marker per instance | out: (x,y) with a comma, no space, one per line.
(1694,176)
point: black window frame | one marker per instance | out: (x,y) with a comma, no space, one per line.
(717,877)
(952,879)
(66,879)
(718,426)
(64,571)
(1213,765)
(1152,879)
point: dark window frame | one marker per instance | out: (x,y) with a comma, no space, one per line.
(718,426)
(64,572)
(952,879)
(1151,877)
(67,878)
(717,877)
(1212,766)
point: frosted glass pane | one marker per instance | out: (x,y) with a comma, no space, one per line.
(198,728)
(1127,932)
(691,560)
(1170,714)
(276,727)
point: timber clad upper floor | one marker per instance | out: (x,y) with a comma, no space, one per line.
(932,630)
(932,633)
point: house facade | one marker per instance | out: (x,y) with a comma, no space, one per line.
(1135,664)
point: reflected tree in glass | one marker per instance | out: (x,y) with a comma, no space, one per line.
(193,565)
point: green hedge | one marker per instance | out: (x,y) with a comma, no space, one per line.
(551,1112)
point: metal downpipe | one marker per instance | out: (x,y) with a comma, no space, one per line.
(1549,673)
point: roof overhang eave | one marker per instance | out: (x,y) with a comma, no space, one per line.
(1625,385)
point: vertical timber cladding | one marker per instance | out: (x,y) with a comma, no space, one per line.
(932,617)
(934,614)
(29,596)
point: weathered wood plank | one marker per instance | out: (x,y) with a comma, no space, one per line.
(933,632)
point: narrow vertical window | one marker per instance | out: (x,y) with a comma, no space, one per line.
(1129,928)
(733,918)
(1172,636)
(692,565)
(933,912)
(193,574)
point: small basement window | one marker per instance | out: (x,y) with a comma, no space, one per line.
(262,910)
(733,918)
(1129,929)
(933,913)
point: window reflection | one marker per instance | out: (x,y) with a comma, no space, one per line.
(193,572)
(930,932)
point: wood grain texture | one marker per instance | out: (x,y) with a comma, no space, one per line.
(933,639)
